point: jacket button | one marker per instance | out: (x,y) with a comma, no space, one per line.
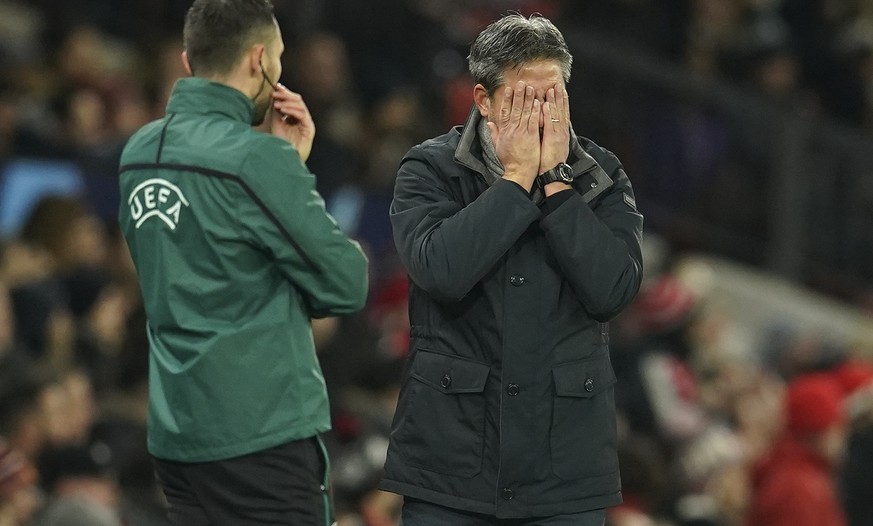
(446,381)
(507,494)
(517,280)
(512,389)
(594,184)
(589,385)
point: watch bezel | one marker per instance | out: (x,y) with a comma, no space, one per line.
(564,172)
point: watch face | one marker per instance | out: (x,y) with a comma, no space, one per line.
(565,172)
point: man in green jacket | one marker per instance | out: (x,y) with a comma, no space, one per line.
(235,255)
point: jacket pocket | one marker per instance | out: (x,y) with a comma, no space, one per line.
(583,434)
(442,414)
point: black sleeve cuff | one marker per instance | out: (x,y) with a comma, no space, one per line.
(550,204)
(520,188)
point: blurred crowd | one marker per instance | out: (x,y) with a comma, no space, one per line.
(709,424)
(719,427)
(816,53)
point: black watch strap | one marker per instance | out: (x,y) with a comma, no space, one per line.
(562,172)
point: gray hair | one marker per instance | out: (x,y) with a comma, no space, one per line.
(513,41)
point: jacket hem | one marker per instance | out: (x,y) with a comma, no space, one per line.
(442,499)
(559,508)
(190,454)
(522,511)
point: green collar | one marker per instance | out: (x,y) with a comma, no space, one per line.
(199,95)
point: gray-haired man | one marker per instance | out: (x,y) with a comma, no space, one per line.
(521,241)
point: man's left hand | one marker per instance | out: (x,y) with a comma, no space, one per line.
(556,128)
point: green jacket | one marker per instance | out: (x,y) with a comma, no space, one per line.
(235,254)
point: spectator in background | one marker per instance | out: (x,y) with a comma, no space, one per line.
(69,408)
(819,28)
(320,68)
(854,62)
(856,379)
(662,392)
(642,482)
(19,498)
(361,203)
(44,324)
(69,233)
(22,423)
(21,263)
(796,485)
(81,489)
(9,116)
(40,409)
(712,472)
(100,309)
(74,244)
(12,357)
(321,73)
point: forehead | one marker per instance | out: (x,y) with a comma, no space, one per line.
(538,72)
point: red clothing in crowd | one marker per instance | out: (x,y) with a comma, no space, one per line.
(795,487)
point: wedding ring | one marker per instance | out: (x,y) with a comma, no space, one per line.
(556,120)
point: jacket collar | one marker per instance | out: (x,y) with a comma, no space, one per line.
(469,153)
(469,150)
(199,95)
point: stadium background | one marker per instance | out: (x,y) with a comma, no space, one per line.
(746,127)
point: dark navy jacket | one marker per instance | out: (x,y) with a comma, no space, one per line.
(507,404)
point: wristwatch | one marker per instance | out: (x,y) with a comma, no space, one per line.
(561,173)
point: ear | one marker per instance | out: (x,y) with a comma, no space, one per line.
(186,64)
(482,100)
(254,56)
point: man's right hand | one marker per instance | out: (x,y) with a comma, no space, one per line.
(291,120)
(516,135)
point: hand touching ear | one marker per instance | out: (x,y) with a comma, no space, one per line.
(291,120)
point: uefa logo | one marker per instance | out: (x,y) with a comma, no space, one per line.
(156,198)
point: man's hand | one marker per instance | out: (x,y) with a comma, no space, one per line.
(516,135)
(556,129)
(291,121)
(556,135)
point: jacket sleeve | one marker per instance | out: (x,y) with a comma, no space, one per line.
(447,248)
(290,223)
(598,249)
